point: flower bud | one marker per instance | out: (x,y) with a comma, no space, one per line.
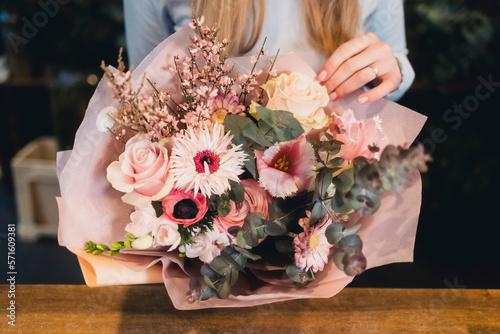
(143,242)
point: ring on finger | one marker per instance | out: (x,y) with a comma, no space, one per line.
(375,70)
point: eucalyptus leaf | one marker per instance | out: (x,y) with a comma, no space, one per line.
(335,162)
(298,276)
(232,276)
(230,260)
(368,177)
(254,137)
(219,265)
(273,214)
(208,281)
(236,124)
(323,181)
(317,212)
(332,147)
(352,230)
(223,288)
(253,220)
(274,228)
(236,192)
(343,183)
(208,293)
(250,238)
(334,233)
(223,208)
(233,230)
(351,241)
(248,254)
(240,239)
(278,125)
(363,201)
(338,257)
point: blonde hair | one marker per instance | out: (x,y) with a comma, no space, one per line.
(328,23)
(231,17)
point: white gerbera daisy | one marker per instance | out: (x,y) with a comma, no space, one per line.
(205,160)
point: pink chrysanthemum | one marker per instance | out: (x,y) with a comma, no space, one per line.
(286,168)
(223,105)
(311,246)
(205,160)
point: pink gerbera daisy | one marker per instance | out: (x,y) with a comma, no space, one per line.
(311,246)
(223,105)
(286,168)
(205,160)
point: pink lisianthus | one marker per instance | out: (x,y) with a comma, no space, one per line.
(183,207)
(286,168)
(142,171)
(311,246)
(357,135)
(256,200)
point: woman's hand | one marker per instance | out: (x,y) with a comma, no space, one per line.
(357,62)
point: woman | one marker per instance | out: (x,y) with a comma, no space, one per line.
(358,44)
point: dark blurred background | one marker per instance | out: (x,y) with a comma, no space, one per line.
(49,68)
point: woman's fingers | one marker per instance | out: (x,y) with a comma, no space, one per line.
(350,67)
(344,52)
(358,62)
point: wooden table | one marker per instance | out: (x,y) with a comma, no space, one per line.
(147,309)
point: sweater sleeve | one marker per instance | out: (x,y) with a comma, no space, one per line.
(149,22)
(387,22)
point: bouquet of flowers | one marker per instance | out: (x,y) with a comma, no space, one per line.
(238,175)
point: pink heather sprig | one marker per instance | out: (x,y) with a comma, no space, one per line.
(202,74)
(150,114)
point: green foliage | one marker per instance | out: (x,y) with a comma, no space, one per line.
(218,276)
(336,232)
(343,183)
(278,125)
(298,276)
(113,249)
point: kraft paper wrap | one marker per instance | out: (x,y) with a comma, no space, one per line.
(90,209)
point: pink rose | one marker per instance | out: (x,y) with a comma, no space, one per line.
(182,207)
(142,171)
(256,200)
(300,95)
(357,135)
(286,168)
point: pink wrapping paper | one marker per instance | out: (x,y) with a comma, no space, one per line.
(90,209)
